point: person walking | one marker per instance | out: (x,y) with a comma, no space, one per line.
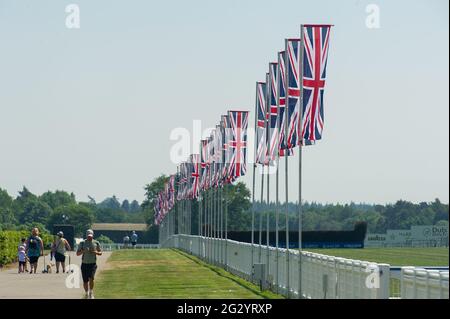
(59,248)
(134,239)
(89,249)
(22,258)
(23,242)
(126,241)
(34,249)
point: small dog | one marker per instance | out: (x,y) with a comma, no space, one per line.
(49,269)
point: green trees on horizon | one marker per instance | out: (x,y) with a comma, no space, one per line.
(59,207)
(316,216)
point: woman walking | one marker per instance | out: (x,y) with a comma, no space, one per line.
(59,248)
(34,249)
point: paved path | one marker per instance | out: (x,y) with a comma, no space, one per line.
(44,286)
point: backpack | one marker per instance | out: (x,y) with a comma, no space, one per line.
(33,243)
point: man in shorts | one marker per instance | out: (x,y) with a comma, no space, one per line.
(90,249)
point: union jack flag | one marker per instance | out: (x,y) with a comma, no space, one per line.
(261,149)
(204,165)
(218,150)
(195,175)
(293,92)
(211,157)
(238,143)
(171,191)
(224,124)
(272,112)
(281,76)
(315,57)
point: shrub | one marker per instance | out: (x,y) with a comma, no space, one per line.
(10,239)
(105,239)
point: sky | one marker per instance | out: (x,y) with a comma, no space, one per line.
(91,110)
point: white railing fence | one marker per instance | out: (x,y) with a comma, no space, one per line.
(417,283)
(322,276)
(112,247)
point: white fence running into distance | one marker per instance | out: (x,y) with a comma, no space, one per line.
(322,276)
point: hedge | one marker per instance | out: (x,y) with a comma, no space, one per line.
(10,239)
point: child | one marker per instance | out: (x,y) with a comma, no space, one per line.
(22,258)
(24,244)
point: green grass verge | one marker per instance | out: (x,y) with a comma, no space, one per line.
(393,256)
(170,274)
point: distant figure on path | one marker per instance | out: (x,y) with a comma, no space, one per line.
(126,241)
(34,249)
(59,248)
(90,249)
(134,239)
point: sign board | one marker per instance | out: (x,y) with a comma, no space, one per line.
(429,232)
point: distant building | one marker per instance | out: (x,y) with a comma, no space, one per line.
(117,231)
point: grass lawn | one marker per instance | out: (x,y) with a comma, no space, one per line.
(393,256)
(166,274)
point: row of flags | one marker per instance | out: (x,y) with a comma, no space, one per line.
(298,76)
(288,81)
(222,160)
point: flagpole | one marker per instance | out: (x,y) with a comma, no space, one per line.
(262,211)
(226,227)
(286,173)
(210,216)
(217,225)
(269,159)
(254,181)
(300,224)
(219,204)
(277,178)
(222,244)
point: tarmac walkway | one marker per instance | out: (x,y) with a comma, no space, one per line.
(43,285)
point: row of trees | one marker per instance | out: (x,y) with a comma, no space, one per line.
(379,218)
(60,207)
(316,216)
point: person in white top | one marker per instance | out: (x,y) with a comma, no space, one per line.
(22,258)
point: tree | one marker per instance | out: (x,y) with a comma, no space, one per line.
(80,216)
(7,218)
(126,205)
(238,201)
(58,198)
(151,191)
(109,215)
(135,207)
(110,202)
(35,211)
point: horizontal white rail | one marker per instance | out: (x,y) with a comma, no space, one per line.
(419,283)
(111,247)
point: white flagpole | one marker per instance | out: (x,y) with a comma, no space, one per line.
(300,226)
(277,178)
(254,181)
(269,160)
(286,173)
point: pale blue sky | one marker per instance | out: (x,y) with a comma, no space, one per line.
(91,110)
